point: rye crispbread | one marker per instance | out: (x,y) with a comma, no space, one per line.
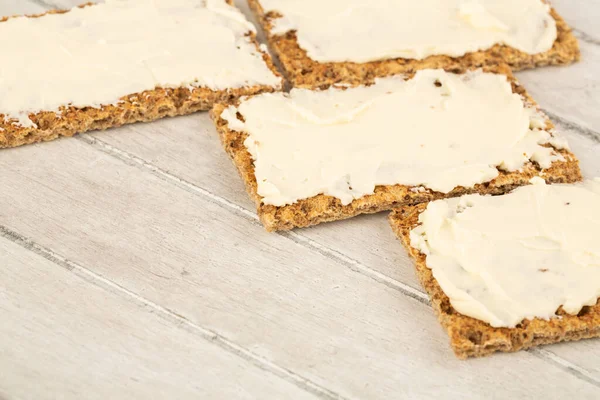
(323,208)
(147,106)
(470,337)
(302,71)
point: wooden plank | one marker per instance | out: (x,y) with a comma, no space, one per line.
(264,292)
(587,149)
(584,354)
(178,154)
(93,246)
(195,155)
(571,92)
(64,337)
(582,15)
(20,7)
(364,242)
(64,4)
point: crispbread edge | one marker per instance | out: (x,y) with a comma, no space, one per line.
(302,71)
(147,106)
(323,208)
(470,337)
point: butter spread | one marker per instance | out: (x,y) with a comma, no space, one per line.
(521,256)
(362,31)
(93,56)
(438,130)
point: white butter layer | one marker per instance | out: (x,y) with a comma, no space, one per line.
(362,31)
(93,56)
(521,256)
(345,142)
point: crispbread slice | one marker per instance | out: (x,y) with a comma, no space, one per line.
(323,208)
(302,71)
(147,106)
(470,337)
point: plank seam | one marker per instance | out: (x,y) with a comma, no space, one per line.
(251,216)
(299,239)
(207,334)
(582,130)
(332,254)
(48,5)
(584,37)
(565,365)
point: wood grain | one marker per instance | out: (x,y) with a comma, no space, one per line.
(64,337)
(157,213)
(219,269)
(380,257)
(20,7)
(583,14)
(573,92)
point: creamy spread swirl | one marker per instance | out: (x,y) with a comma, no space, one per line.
(93,56)
(438,130)
(362,31)
(504,259)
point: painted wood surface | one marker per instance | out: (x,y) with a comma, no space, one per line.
(67,335)
(135,253)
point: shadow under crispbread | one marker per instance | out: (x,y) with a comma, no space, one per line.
(146,106)
(470,337)
(302,71)
(323,208)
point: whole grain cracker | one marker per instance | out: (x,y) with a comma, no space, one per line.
(147,106)
(323,208)
(470,337)
(302,71)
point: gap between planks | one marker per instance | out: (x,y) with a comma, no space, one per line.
(332,254)
(251,216)
(171,316)
(584,37)
(582,130)
(354,265)
(49,5)
(565,365)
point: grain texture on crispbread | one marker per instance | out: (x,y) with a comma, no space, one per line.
(470,337)
(323,208)
(147,106)
(302,71)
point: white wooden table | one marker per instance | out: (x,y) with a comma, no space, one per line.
(133,266)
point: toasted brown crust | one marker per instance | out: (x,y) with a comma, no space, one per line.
(324,208)
(147,106)
(302,71)
(470,337)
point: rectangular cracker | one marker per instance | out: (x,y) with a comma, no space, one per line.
(147,106)
(323,208)
(470,337)
(302,71)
